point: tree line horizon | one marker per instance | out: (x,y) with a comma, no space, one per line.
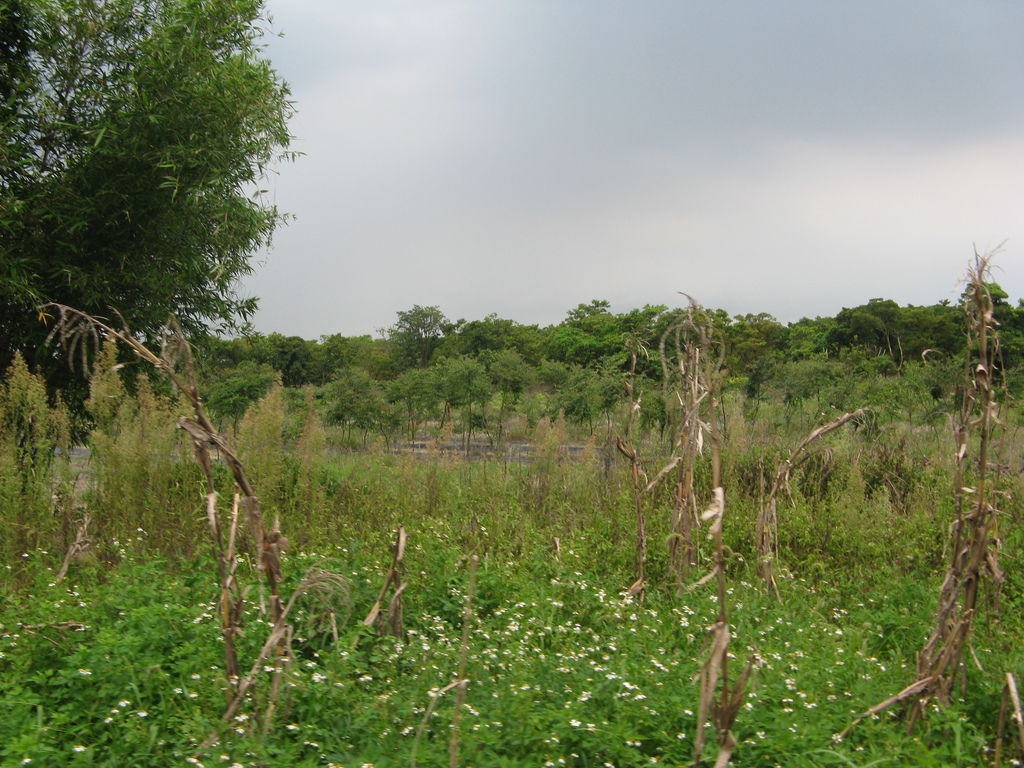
(591,333)
(426,366)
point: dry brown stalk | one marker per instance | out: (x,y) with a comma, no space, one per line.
(81,545)
(910,691)
(975,549)
(638,477)
(36,629)
(716,668)
(390,621)
(1010,699)
(691,386)
(691,368)
(766,530)
(714,674)
(279,636)
(422,727)
(282,659)
(975,536)
(460,682)
(76,330)
(231,602)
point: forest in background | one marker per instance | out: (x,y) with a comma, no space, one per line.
(902,361)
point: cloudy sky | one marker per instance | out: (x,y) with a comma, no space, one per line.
(524,156)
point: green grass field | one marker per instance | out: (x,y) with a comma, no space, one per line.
(123,663)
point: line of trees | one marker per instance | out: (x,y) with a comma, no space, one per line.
(476,374)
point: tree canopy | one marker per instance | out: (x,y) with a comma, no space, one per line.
(133,136)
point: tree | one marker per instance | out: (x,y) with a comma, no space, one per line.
(875,327)
(416,390)
(588,394)
(229,393)
(588,333)
(334,352)
(292,356)
(134,134)
(510,375)
(463,382)
(354,399)
(418,332)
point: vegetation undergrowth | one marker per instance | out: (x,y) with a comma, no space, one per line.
(123,667)
(366,596)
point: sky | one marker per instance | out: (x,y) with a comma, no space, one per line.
(524,156)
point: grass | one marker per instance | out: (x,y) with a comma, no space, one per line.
(123,663)
(515,578)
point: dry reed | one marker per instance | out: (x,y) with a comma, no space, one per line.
(698,356)
(638,478)
(714,674)
(766,531)
(390,620)
(975,540)
(1010,699)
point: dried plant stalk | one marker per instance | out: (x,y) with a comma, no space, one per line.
(975,549)
(422,727)
(279,634)
(76,330)
(715,669)
(690,375)
(390,621)
(714,673)
(638,477)
(460,682)
(766,531)
(975,540)
(81,545)
(1011,698)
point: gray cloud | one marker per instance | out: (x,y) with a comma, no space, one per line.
(524,157)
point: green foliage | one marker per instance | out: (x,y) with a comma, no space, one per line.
(230,392)
(902,333)
(127,669)
(563,663)
(463,383)
(260,438)
(588,395)
(589,333)
(142,478)
(903,362)
(355,401)
(309,492)
(35,447)
(415,391)
(753,339)
(415,336)
(133,134)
